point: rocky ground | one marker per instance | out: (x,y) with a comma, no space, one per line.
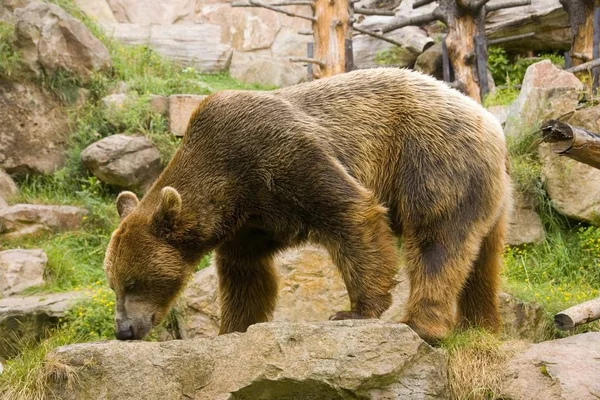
(112,122)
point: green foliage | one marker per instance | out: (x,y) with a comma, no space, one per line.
(501,97)
(510,71)
(9,58)
(93,318)
(393,56)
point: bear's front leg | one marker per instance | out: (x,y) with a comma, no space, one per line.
(247,281)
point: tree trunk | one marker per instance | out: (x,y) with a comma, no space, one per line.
(331,29)
(464,24)
(573,142)
(581,19)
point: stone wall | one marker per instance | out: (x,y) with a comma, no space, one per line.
(255,44)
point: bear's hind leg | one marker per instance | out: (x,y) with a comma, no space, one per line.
(478,303)
(438,264)
(365,254)
(247,281)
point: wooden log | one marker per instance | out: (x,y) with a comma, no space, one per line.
(578,315)
(573,142)
(421,3)
(581,19)
(596,47)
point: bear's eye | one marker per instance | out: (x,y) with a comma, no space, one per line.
(130,286)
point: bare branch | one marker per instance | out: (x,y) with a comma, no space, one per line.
(421,3)
(308,60)
(376,35)
(418,20)
(307,33)
(254,3)
(277,3)
(508,4)
(510,38)
(373,11)
(585,66)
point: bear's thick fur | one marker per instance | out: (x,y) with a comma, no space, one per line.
(347,162)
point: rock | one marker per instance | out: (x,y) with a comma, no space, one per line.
(367,50)
(181,107)
(522,320)
(310,289)
(24,318)
(329,360)
(115,101)
(154,12)
(124,161)
(500,112)
(547,92)
(33,129)
(28,219)
(525,223)
(8,188)
(188,44)
(565,369)
(574,187)
(3,203)
(430,62)
(98,10)
(544,17)
(7,8)
(159,104)
(259,67)
(50,40)
(21,269)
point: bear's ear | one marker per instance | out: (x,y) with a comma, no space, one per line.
(126,203)
(168,210)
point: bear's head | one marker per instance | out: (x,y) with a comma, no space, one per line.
(143,268)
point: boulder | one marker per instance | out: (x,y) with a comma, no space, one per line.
(33,129)
(98,10)
(187,44)
(114,102)
(8,188)
(51,40)
(370,52)
(125,161)
(328,360)
(500,112)
(28,219)
(7,8)
(24,318)
(565,369)
(261,68)
(573,187)
(525,223)
(546,18)
(181,107)
(430,62)
(21,269)
(152,12)
(522,320)
(547,92)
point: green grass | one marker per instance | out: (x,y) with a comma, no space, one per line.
(10,59)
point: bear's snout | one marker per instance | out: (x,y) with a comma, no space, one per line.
(124,331)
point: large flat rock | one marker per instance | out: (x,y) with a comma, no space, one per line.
(566,369)
(329,360)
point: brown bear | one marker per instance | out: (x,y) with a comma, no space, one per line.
(347,162)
